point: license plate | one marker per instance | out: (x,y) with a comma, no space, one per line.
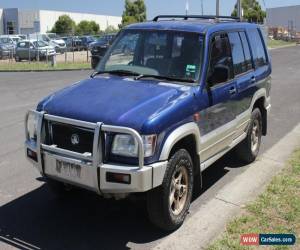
(69,170)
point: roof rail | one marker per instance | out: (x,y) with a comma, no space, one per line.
(186,17)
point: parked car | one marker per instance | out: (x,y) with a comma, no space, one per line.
(9,44)
(52,39)
(86,41)
(34,50)
(168,99)
(11,38)
(99,48)
(73,43)
(5,51)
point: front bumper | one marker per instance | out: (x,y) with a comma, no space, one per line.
(93,174)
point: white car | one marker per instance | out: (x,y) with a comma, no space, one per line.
(52,39)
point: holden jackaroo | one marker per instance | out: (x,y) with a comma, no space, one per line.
(169,98)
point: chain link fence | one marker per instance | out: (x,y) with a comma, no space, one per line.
(42,51)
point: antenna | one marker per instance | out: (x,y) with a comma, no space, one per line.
(187,6)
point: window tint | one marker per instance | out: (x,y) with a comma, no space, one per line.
(248,61)
(220,66)
(259,54)
(237,53)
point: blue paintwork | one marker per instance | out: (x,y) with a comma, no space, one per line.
(152,107)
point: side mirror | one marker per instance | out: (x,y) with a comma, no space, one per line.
(220,74)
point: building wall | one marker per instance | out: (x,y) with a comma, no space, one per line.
(27,18)
(284,17)
(1,21)
(48,19)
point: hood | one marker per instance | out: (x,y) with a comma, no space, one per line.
(147,106)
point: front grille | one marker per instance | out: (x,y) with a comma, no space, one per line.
(71,138)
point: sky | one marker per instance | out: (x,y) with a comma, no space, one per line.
(154,7)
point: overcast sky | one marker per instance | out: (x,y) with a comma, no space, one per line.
(115,7)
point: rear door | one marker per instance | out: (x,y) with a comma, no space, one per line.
(244,77)
(219,119)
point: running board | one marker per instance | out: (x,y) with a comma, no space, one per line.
(216,157)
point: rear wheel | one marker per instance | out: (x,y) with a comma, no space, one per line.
(168,204)
(248,149)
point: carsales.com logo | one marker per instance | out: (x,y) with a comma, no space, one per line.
(267,239)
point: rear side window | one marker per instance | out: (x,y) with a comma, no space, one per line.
(257,45)
(248,60)
(238,56)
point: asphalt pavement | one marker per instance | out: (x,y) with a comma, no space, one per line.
(31,217)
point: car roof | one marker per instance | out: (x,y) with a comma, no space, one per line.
(191,25)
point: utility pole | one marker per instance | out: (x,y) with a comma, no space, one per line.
(202,10)
(217,7)
(239,9)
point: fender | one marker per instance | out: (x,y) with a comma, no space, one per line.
(178,134)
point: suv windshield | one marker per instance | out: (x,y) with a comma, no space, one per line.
(169,54)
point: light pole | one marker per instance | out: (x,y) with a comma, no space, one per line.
(202,10)
(217,8)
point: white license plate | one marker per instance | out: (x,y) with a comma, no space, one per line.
(68,170)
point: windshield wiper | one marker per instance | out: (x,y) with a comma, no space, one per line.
(168,78)
(115,72)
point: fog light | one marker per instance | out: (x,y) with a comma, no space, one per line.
(118,178)
(32,155)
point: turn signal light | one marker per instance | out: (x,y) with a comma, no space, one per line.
(32,155)
(118,178)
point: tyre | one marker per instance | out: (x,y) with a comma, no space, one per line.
(168,204)
(59,189)
(18,59)
(248,149)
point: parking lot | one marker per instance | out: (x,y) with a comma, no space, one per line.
(31,218)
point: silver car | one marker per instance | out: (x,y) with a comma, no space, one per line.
(33,50)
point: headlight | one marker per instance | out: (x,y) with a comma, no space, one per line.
(126,145)
(32,126)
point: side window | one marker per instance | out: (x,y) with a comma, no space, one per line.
(237,53)
(220,65)
(248,61)
(21,45)
(259,54)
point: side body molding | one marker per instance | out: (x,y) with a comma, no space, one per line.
(178,134)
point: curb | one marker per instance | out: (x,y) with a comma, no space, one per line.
(202,227)
(282,47)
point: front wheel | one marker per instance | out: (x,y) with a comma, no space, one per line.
(248,149)
(168,204)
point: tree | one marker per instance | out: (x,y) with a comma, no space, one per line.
(64,25)
(111,29)
(252,11)
(135,12)
(87,28)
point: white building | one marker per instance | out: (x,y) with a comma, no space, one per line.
(1,21)
(286,17)
(15,21)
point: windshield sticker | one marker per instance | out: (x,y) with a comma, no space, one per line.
(190,70)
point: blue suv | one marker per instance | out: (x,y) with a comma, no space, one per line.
(168,99)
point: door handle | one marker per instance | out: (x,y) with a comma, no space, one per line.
(253,79)
(232,91)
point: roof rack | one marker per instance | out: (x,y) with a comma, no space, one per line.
(186,17)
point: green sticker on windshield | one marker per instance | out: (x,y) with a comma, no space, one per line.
(190,69)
